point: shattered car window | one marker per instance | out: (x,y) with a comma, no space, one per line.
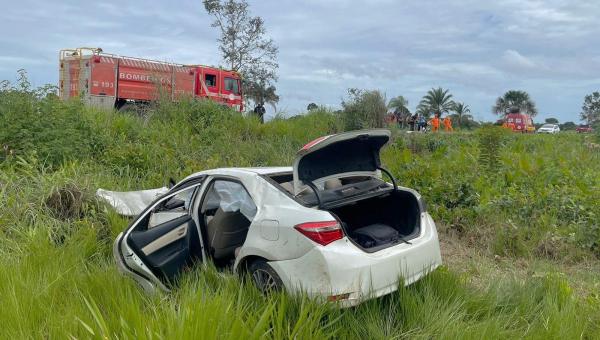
(233,197)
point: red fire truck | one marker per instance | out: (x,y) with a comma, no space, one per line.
(111,81)
(519,122)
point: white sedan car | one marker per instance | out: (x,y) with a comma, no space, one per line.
(549,128)
(328,226)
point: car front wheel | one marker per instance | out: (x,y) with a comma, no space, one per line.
(264,277)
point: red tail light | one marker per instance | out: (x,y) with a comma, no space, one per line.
(321,232)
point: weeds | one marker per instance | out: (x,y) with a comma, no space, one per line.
(490,144)
(58,279)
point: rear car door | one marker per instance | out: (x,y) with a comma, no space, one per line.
(162,241)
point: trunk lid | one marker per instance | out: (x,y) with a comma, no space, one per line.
(338,155)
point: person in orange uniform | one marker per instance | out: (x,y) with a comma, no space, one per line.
(435,122)
(448,124)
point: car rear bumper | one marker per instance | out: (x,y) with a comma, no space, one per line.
(342,271)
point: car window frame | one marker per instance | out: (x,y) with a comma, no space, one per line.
(198,181)
(209,183)
(199,201)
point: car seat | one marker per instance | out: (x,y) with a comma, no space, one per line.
(226,232)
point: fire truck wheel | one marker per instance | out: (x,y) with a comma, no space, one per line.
(128,107)
(134,109)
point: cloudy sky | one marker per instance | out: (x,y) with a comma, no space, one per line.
(477,49)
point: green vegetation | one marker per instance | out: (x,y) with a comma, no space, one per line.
(527,200)
(363,109)
(437,101)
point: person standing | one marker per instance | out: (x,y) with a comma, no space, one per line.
(422,123)
(412,122)
(435,122)
(260,111)
(448,124)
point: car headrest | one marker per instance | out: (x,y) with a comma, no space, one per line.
(332,184)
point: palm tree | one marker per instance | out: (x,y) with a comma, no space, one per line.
(515,99)
(461,110)
(399,105)
(437,100)
(423,110)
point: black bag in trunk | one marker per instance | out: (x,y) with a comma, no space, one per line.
(375,235)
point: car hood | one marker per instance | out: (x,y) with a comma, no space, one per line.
(344,153)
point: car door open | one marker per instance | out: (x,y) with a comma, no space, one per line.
(163,240)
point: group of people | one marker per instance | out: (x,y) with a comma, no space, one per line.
(418,122)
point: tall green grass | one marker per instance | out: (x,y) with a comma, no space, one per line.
(58,278)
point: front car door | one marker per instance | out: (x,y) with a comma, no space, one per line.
(163,240)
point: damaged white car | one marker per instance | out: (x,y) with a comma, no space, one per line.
(329,226)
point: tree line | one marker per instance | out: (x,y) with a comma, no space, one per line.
(246,48)
(368,108)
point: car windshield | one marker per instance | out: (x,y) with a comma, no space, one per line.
(548,126)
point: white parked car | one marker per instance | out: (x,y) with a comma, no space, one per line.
(328,226)
(549,128)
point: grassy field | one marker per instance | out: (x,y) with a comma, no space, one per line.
(518,215)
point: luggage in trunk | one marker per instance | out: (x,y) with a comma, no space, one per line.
(375,235)
(382,221)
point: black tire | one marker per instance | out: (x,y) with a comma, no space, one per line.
(129,108)
(264,277)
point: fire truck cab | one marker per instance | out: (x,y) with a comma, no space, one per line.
(111,81)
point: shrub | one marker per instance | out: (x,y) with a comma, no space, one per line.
(37,121)
(363,109)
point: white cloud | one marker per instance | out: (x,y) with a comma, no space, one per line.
(516,59)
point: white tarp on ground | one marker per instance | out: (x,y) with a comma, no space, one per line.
(130,203)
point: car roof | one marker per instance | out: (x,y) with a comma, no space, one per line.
(242,171)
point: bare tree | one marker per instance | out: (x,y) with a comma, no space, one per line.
(246,48)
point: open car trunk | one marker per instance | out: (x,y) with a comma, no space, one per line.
(383,221)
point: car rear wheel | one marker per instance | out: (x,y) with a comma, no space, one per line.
(264,277)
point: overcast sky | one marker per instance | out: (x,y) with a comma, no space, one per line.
(477,49)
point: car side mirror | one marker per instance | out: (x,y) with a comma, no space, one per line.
(171,183)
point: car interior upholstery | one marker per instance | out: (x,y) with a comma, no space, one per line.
(225,221)
(226,232)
